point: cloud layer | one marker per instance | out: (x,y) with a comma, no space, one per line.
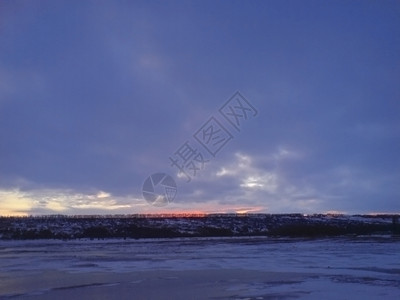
(95,97)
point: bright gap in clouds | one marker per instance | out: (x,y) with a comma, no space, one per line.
(248,186)
(39,202)
(252,188)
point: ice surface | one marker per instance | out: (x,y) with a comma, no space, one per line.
(366,266)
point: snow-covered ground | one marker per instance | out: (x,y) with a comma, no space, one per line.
(340,268)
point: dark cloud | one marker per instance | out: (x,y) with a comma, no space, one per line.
(96,97)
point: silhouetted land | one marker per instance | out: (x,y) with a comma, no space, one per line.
(214,225)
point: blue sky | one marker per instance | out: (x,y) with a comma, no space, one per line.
(97,95)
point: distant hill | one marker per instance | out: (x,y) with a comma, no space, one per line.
(195,225)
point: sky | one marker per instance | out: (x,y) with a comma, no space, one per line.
(96,96)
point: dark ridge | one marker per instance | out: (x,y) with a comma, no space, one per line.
(187,225)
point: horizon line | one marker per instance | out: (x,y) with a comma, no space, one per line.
(196,214)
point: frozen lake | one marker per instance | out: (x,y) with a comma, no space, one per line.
(224,268)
